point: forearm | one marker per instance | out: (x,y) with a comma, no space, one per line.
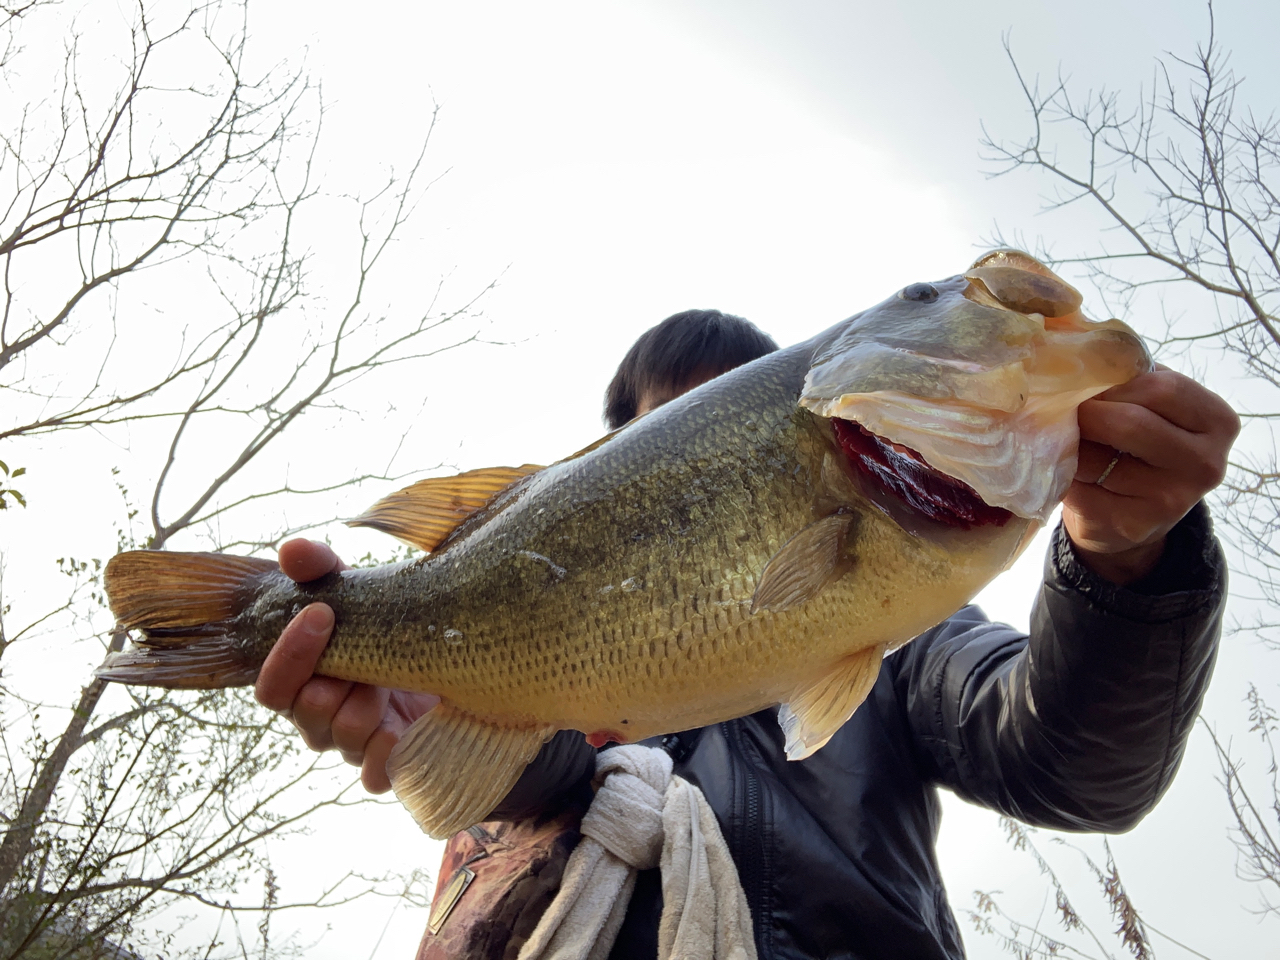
(1114,677)
(1083,725)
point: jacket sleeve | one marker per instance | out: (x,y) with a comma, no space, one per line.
(1082,725)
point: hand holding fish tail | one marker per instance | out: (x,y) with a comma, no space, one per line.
(361,721)
(1171,436)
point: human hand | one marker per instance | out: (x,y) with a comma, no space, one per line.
(1172,436)
(362,722)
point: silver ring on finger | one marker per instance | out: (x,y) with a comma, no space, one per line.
(1107,472)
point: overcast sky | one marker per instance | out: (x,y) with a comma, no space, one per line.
(792,162)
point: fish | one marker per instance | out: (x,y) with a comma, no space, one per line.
(765,539)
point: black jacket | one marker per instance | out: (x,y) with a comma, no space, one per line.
(1080,726)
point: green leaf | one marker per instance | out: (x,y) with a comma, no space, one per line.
(19,472)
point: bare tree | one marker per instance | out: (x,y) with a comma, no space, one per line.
(1186,183)
(1065,933)
(107,190)
(188,179)
(11,13)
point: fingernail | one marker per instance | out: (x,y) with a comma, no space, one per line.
(318,618)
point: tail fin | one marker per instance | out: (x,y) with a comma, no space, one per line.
(182,603)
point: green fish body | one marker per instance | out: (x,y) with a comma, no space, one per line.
(764,539)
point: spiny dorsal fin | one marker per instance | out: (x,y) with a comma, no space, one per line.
(813,715)
(427,512)
(806,564)
(593,445)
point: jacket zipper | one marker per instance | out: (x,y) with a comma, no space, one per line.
(749,841)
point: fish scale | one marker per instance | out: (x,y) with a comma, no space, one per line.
(723,553)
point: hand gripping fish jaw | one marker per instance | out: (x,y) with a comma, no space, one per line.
(764,539)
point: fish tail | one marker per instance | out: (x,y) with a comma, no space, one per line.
(185,606)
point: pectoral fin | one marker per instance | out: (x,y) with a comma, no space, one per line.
(427,512)
(450,769)
(818,710)
(806,564)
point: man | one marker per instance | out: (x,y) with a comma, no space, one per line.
(1080,726)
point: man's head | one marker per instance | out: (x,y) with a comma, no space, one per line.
(682,352)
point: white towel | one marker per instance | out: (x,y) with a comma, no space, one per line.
(642,817)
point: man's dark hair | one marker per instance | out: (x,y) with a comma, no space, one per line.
(685,348)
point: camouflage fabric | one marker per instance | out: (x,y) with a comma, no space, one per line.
(495,882)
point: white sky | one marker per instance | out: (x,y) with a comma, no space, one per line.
(614,163)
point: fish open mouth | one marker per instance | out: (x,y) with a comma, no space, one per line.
(902,473)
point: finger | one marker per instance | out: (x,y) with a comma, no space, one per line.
(1135,430)
(1180,400)
(293,659)
(1183,459)
(1131,494)
(373,772)
(357,719)
(1092,460)
(1117,472)
(404,708)
(303,560)
(317,703)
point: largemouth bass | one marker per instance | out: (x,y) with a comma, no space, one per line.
(764,539)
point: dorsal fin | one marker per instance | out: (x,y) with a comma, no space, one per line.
(593,445)
(427,512)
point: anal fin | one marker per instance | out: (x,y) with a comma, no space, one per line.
(816,711)
(450,769)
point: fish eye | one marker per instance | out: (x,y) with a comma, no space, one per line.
(919,292)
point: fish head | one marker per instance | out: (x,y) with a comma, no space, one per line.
(976,378)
